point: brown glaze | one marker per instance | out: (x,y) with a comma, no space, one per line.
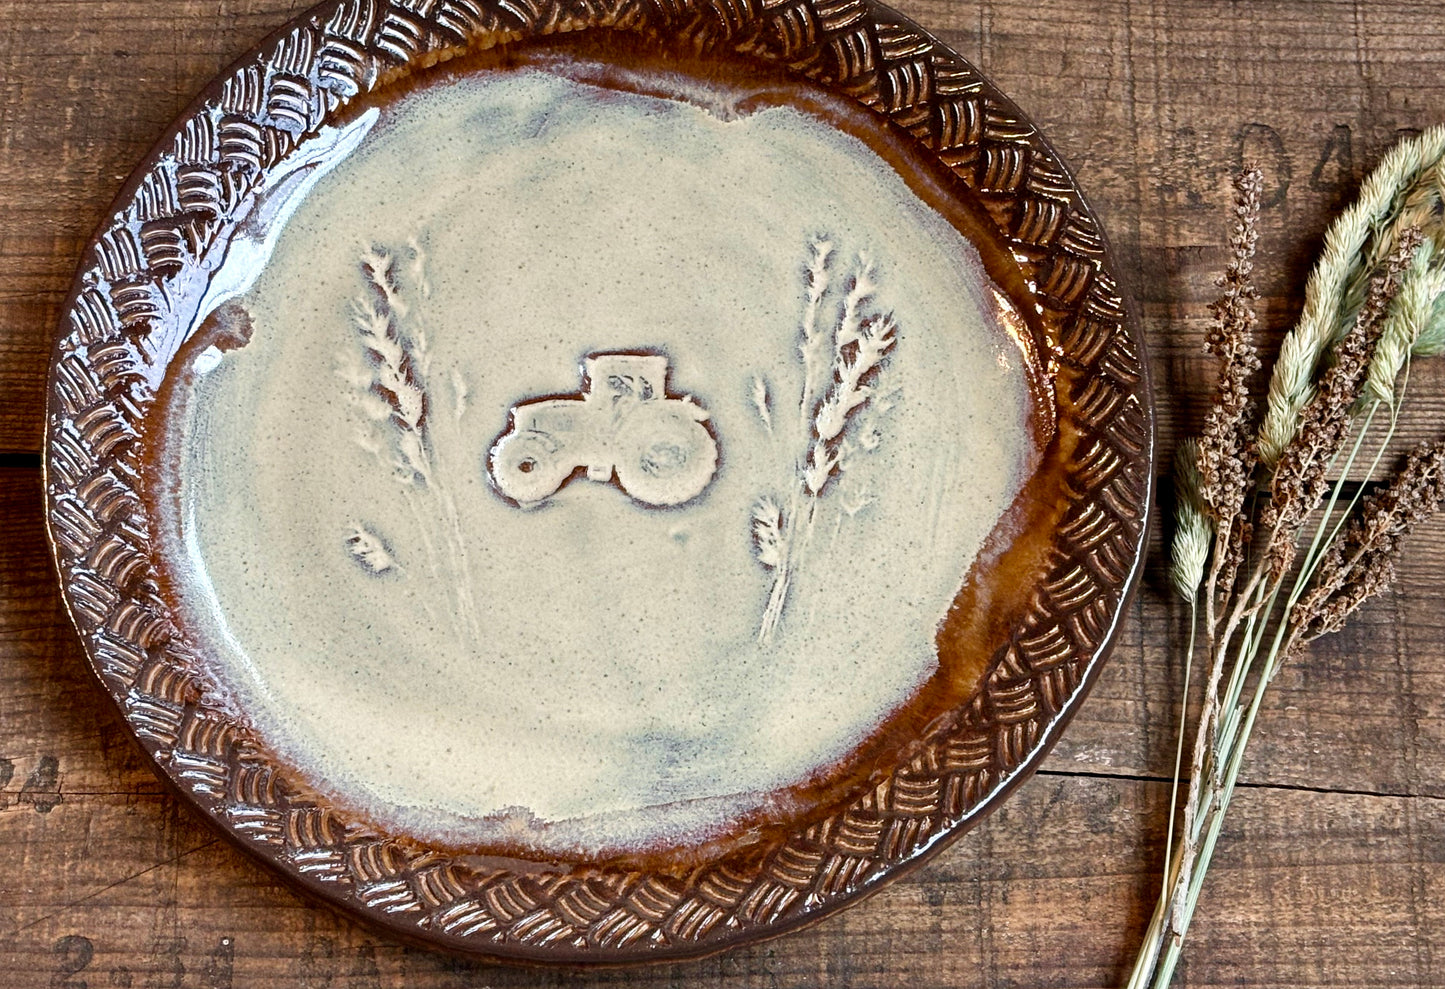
(1072,541)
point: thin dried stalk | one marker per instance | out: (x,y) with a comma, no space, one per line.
(1226,462)
(1376,298)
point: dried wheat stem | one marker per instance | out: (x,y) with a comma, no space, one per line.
(1412,497)
(1193,530)
(1300,354)
(1373,300)
(1299,486)
(1225,461)
(1204,732)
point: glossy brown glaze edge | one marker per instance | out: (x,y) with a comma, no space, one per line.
(498,914)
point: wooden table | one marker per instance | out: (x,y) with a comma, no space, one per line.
(1332,868)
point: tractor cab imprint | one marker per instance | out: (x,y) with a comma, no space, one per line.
(623,421)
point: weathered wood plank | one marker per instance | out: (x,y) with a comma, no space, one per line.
(1310,889)
(1152,102)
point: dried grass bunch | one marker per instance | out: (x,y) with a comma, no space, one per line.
(1271,550)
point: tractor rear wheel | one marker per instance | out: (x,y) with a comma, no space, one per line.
(665,459)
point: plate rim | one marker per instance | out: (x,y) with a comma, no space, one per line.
(868,17)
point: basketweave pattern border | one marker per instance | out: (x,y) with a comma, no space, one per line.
(123,325)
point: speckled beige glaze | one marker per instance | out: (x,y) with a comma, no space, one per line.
(588,675)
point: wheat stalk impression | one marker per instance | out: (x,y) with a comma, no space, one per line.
(1267,542)
(841,367)
(762,401)
(391,384)
(367,548)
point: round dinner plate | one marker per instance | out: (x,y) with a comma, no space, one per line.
(652,431)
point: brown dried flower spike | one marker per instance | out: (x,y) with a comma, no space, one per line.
(1362,565)
(1226,448)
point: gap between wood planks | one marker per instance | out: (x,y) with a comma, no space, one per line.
(1242,784)
(170,860)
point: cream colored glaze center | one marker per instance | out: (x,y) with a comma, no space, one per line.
(612,663)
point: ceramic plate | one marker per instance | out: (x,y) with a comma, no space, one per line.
(597,482)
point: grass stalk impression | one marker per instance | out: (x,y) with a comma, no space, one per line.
(1274,546)
(392,388)
(837,419)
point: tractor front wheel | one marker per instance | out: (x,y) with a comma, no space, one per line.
(528,467)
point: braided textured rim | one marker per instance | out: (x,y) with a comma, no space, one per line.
(126,318)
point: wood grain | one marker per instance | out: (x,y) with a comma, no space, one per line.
(1330,872)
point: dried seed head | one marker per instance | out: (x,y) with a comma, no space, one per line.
(1301,479)
(1344,263)
(1361,563)
(1226,454)
(1431,341)
(1421,285)
(1226,450)
(1193,531)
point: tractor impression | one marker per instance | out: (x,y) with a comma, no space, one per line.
(623,421)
